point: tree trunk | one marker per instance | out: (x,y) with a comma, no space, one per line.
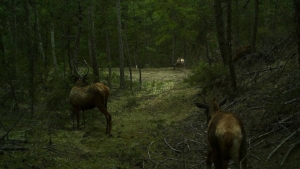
(220,30)
(128,56)
(229,52)
(297,18)
(173,40)
(69,49)
(254,31)
(237,23)
(108,56)
(92,44)
(121,53)
(14,40)
(77,41)
(30,55)
(41,48)
(53,45)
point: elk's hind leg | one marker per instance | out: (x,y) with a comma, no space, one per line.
(108,119)
(209,159)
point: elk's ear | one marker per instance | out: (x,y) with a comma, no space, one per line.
(215,107)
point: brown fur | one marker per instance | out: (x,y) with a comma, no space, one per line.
(225,136)
(179,63)
(88,97)
(241,52)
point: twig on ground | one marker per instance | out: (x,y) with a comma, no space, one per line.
(254,157)
(294,133)
(264,70)
(149,149)
(265,134)
(256,144)
(178,151)
(291,101)
(288,153)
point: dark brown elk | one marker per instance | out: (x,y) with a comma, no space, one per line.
(241,52)
(226,138)
(83,97)
(179,63)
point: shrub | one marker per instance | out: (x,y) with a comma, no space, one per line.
(209,76)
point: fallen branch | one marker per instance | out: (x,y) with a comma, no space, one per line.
(291,101)
(149,149)
(260,136)
(256,144)
(250,155)
(290,136)
(264,70)
(288,153)
(178,151)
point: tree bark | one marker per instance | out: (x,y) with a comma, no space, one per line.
(108,56)
(297,18)
(128,56)
(92,43)
(121,52)
(74,60)
(30,55)
(229,52)
(53,46)
(107,50)
(173,40)
(220,30)
(14,39)
(254,31)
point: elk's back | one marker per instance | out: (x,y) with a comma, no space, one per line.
(89,96)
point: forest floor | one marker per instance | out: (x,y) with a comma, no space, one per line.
(158,127)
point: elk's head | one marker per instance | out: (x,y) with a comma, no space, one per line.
(81,82)
(210,109)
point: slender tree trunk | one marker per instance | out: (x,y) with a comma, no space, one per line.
(237,23)
(297,18)
(107,50)
(41,48)
(121,53)
(30,47)
(275,16)
(77,41)
(13,32)
(220,30)
(254,31)
(128,56)
(69,49)
(92,43)
(43,73)
(137,61)
(53,45)
(108,56)
(173,40)
(229,52)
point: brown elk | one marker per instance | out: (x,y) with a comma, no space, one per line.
(179,63)
(83,97)
(241,52)
(225,136)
